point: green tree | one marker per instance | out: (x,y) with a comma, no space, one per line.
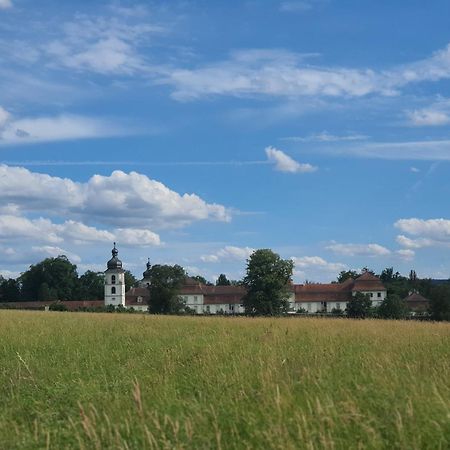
(91,286)
(130,280)
(359,306)
(222,280)
(440,303)
(201,280)
(346,274)
(166,282)
(393,307)
(9,290)
(58,273)
(267,282)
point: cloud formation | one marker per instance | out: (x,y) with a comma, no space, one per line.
(5,4)
(425,233)
(370,250)
(285,163)
(121,199)
(317,263)
(29,130)
(229,253)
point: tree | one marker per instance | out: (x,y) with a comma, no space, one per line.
(267,282)
(346,274)
(164,288)
(91,286)
(359,306)
(58,273)
(388,275)
(222,280)
(393,307)
(440,303)
(130,280)
(201,280)
(9,290)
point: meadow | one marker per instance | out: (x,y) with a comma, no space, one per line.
(119,381)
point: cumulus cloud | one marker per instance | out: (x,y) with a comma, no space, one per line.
(370,250)
(229,253)
(34,254)
(426,233)
(5,4)
(406,254)
(285,163)
(44,230)
(124,200)
(316,267)
(29,130)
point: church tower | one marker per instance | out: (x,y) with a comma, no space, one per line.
(114,281)
(146,281)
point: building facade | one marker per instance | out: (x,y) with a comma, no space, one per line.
(206,299)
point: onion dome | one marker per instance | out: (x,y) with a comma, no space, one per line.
(114,262)
(147,272)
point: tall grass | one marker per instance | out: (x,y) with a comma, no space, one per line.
(95,381)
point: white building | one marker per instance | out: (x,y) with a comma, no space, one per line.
(206,299)
(114,281)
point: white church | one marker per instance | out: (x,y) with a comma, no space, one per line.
(205,299)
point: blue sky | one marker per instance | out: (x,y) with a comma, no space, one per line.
(193,132)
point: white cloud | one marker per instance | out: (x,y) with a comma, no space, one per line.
(4,117)
(136,237)
(428,117)
(34,254)
(413,150)
(43,230)
(415,170)
(46,129)
(427,233)
(229,253)
(285,163)
(105,45)
(123,200)
(316,262)
(406,254)
(324,136)
(285,74)
(5,4)
(370,250)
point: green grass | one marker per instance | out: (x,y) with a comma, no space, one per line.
(110,381)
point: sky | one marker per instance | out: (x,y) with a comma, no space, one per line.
(194,132)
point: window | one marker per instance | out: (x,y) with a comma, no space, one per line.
(308,307)
(231,308)
(208,309)
(113,290)
(379,294)
(195,299)
(371,294)
(338,306)
(139,299)
(113,279)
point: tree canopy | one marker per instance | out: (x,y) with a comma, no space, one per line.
(222,280)
(267,281)
(359,306)
(393,307)
(165,283)
(55,278)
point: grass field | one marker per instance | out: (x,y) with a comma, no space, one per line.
(116,381)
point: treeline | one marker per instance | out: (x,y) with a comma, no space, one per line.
(56,279)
